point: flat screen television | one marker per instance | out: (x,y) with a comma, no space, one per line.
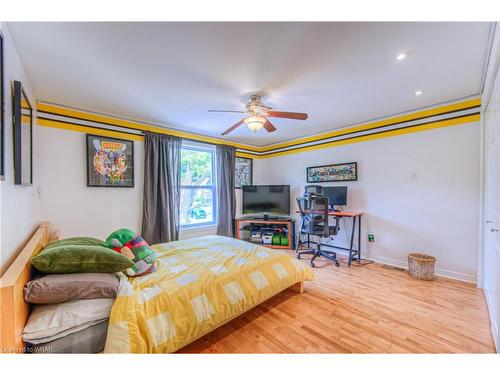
(266,200)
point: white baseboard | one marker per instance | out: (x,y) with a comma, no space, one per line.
(494,329)
(439,272)
(493,322)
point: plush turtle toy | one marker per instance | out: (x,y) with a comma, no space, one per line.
(127,242)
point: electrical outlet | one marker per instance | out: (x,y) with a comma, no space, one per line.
(371,237)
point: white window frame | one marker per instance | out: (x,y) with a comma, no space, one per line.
(197,146)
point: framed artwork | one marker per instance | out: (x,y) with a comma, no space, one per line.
(333,172)
(22,113)
(243,172)
(110,162)
(2,109)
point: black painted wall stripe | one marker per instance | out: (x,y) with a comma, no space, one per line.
(277,149)
(372,133)
(89,126)
(108,124)
(378,127)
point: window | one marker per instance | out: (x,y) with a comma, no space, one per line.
(198,200)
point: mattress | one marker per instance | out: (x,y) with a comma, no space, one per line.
(200,284)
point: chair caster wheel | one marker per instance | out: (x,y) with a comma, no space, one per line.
(312,265)
(337,264)
(298,256)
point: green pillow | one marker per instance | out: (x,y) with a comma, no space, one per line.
(88,241)
(80,258)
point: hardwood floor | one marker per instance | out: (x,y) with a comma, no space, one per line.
(362,309)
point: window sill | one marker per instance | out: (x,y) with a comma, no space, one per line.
(198,227)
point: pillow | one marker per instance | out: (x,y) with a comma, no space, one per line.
(60,288)
(87,241)
(50,322)
(80,258)
(127,242)
(90,340)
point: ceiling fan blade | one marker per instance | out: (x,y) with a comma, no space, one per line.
(290,115)
(233,127)
(224,110)
(269,127)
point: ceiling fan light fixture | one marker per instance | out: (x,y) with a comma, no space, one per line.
(401,56)
(255,123)
(257,116)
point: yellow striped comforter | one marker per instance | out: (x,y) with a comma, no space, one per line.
(200,284)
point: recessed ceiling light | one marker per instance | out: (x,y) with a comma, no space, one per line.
(418,92)
(401,56)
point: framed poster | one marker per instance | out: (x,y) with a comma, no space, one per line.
(2,109)
(23,135)
(243,172)
(333,172)
(110,162)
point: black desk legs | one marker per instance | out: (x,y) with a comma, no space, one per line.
(359,238)
(352,239)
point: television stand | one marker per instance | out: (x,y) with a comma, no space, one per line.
(269,217)
(260,231)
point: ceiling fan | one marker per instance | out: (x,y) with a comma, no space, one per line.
(257,114)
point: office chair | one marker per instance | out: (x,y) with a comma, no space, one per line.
(313,189)
(314,221)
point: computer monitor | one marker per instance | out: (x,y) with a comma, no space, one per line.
(337,195)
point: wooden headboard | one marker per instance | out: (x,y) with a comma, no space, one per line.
(14,310)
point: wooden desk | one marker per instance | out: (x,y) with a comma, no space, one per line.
(355,216)
(336,213)
(346,213)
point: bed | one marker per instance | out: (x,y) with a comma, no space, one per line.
(200,284)
(13,309)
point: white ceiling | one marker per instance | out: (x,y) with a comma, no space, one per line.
(172,73)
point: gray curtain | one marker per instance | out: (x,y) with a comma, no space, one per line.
(226,196)
(162,185)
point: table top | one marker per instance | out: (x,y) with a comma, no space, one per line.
(270,221)
(339,213)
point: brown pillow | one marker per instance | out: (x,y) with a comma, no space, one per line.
(58,288)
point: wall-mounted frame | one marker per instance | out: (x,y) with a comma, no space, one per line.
(243,172)
(22,113)
(333,173)
(110,162)
(2,110)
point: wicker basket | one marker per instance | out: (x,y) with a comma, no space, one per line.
(421,266)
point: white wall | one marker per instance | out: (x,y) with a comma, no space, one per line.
(78,210)
(19,205)
(436,213)
(71,206)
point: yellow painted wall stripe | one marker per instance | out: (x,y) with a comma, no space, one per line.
(370,125)
(364,127)
(137,126)
(391,133)
(105,132)
(368,137)
(86,129)
(245,155)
